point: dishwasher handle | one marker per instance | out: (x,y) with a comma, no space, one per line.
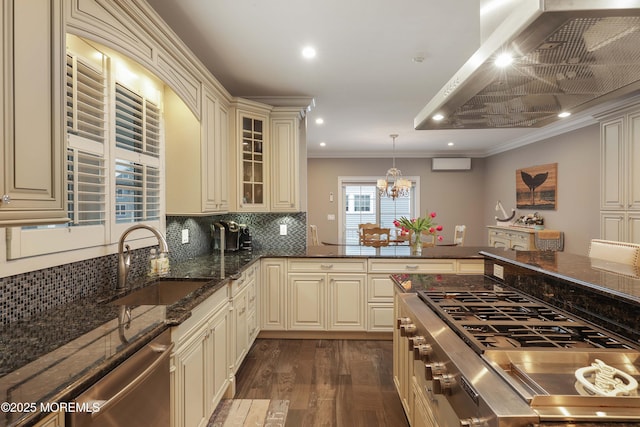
(164,352)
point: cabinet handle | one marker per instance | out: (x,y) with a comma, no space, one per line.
(6,199)
(326,266)
(411,266)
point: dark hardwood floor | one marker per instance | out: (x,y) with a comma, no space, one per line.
(327,382)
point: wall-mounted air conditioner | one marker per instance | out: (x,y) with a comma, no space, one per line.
(451,164)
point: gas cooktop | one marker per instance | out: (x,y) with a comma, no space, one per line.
(504,319)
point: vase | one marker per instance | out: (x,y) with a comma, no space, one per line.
(416,244)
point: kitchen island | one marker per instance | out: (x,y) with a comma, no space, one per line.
(534,330)
(60,352)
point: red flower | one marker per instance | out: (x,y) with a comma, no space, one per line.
(440,238)
(439,228)
(432,214)
(432,230)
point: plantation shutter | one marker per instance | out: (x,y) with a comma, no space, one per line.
(86,135)
(137,166)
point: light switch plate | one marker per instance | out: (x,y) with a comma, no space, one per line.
(283,229)
(185,235)
(331,217)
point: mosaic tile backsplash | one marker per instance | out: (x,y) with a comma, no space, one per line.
(26,295)
(264,229)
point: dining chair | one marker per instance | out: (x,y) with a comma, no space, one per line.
(458,234)
(376,236)
(313,232)
(364,226)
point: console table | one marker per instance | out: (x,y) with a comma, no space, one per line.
(519,238)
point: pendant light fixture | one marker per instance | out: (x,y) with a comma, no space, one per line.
(394,185)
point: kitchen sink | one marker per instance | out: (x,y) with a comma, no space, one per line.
(162,292)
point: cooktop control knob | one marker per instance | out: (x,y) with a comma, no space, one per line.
(473,422)
(434,369)
(402,321)
(422,351)
(414,341)
(443,384)
(407,330)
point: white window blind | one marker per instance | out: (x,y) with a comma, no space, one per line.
(86,110)
(137,123)
(86,131)
(137,169)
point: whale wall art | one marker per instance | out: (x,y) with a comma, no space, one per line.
(537,187)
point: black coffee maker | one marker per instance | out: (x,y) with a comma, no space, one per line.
(226,235)
(245,238)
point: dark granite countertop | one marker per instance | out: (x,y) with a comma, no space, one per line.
(55,356)
(411,283)
(601,276)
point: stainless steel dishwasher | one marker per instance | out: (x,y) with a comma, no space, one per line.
(136,393)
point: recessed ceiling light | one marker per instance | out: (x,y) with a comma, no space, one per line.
(308,52)
(319,121)
(503,60)
(564,114)
(323,144)
(438,117)
(450,144)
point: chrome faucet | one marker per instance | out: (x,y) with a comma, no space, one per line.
(124,257)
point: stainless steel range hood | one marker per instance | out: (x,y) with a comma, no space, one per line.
(569,55)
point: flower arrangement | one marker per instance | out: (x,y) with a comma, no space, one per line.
(418,226)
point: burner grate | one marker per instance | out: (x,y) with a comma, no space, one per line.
(508,319)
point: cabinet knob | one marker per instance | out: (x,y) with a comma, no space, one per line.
(6,199)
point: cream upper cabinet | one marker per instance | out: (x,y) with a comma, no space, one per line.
(196,155)
(32,113)
(267,155)
(620,175)
(285,160)
(249,152)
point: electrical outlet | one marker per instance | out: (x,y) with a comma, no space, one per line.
(283,229)
(185,235)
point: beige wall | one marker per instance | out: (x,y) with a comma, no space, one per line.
(469,197)
(457,197)
(578,156)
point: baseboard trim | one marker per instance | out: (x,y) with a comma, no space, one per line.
(327,335)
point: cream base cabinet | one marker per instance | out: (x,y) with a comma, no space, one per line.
(321,291)
(55,419)
(243,303)
(272,294)
(32,151)
(307,302)
(347,302)
(380,303)
(200,364)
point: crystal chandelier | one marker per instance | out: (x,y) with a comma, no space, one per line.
(394,185)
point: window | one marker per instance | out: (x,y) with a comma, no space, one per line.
(114,142)
(363,205)
(137,174)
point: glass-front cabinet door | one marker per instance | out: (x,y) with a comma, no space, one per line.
(253,162)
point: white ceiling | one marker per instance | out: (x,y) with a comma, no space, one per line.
(364,80)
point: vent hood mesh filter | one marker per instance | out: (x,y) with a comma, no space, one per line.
(583,60)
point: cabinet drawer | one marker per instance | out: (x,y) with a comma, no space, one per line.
(380,317)
(328,265)
(379,288)
(471,266)
(412,266)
